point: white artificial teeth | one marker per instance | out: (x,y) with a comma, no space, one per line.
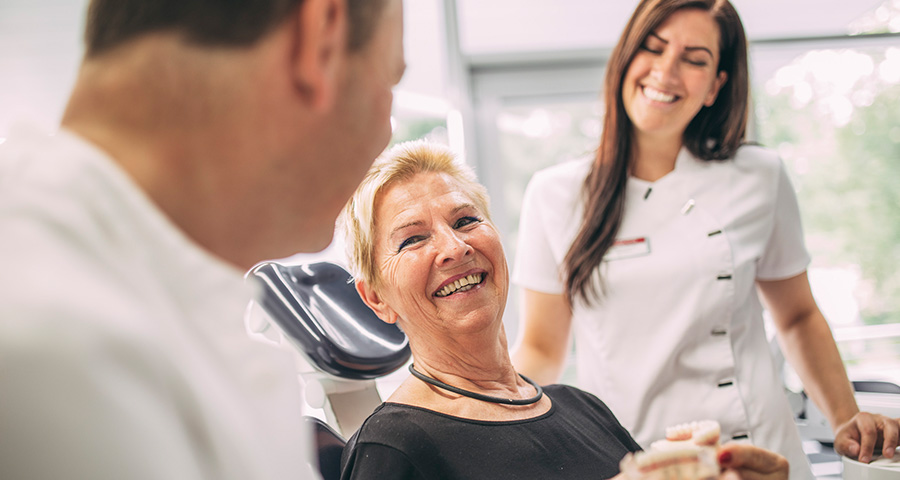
(462,284)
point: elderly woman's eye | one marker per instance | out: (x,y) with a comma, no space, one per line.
(462,222)
(409,241)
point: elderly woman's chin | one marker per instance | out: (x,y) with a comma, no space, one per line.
(478,317)
(462,313)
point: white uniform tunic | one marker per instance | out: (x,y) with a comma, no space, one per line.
(123,352)
(679,334)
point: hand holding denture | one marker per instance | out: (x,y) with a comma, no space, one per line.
(691,451)
(687,453)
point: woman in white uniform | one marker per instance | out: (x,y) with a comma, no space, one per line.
(652,252)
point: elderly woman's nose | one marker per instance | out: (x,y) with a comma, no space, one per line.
(451,246)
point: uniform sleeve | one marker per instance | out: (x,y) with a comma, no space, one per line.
(785,254)
(372,461)
(534,267)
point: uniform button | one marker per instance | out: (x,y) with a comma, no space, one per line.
(687,207)
(724,276)
(719,332)
(713,234)
(726,383)
(741,436)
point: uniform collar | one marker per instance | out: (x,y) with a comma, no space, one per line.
(684,162)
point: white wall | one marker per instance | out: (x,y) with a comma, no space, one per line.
(40,47)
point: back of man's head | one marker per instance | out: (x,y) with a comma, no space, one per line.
(234,23)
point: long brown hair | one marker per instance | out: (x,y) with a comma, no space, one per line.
(714,134)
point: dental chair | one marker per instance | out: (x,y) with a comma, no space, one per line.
(342,345)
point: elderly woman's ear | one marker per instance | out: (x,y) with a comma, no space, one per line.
(371,298)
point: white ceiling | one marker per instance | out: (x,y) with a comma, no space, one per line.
(500,26)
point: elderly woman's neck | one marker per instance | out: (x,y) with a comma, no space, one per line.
(473,358)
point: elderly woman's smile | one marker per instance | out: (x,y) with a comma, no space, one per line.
(461,284)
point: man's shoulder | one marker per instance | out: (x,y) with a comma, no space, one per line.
(59,301)
(67,281)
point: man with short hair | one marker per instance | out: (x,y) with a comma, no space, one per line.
(200,138)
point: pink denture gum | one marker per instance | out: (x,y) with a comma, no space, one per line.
(687,453)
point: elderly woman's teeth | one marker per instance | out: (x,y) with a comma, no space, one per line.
(461,285)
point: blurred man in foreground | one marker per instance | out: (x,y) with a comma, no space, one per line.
(200,138)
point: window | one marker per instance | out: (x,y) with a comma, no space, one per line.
(832,110)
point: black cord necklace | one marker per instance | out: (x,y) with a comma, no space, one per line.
(478,396)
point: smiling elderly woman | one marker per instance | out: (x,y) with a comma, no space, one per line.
(426,256)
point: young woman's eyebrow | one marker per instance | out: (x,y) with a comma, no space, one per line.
(690,49)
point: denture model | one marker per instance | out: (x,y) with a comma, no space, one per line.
(687,453)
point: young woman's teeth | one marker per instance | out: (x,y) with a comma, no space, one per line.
(461,285)
(658,96)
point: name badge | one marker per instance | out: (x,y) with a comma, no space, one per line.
(628,248)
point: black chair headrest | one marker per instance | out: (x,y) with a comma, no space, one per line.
(318,307)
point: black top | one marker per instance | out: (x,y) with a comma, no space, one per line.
(578,438)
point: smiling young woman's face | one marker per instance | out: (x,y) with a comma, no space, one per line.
(440,262)
(673,75)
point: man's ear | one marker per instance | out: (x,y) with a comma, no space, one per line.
(371,298)
(320,47)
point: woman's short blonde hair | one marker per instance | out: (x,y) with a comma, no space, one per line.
(357,221)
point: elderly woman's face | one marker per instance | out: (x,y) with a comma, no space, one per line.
(440,262)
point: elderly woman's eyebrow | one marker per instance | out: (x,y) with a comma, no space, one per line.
(397,229)
(462,207)
(417,223)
